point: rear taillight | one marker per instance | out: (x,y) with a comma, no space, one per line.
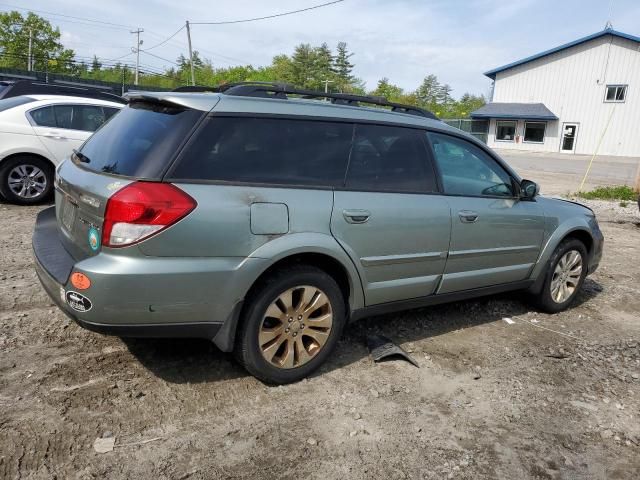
(142,209)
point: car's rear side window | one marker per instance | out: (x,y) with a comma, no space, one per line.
(268,150)
(392,159)
(140,141)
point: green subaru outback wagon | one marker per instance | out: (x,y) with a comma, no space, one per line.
(264,218)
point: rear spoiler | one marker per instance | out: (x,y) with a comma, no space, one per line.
(170,99)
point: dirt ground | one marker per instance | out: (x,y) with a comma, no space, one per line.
(543,397)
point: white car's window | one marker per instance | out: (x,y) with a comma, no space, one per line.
(87,118)
(44,117)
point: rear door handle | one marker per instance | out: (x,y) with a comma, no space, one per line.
(356,216)
(54,135)
(468,216)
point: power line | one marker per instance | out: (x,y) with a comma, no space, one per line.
(268,16)
(160,58)
(120,25)
(147,68)
(164,41)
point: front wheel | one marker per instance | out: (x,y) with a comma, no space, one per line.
(565,276)
(26,180)
(291,324)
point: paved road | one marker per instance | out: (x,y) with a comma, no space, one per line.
(562,173)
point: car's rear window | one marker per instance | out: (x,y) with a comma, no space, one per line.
(7,103)
(140,141)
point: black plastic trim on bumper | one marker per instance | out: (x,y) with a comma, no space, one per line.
(48,248)
(156,330)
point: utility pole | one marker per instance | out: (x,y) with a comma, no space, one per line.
(193,76)
(30,61)
(326,85)
(138,43)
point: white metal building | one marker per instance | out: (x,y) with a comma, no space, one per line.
(577,98)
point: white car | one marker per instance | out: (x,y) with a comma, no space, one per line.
(37,132)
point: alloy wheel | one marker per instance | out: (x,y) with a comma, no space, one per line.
(27,181)
(295,327)
(566,276)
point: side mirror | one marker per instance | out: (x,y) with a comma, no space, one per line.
(529,189)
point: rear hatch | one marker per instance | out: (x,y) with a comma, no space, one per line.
(139,143)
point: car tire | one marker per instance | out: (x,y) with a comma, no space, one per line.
(26,168)
(564,276)
(291,323)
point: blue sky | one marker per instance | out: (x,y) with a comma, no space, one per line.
(404,40)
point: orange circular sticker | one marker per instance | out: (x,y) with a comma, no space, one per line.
(80,281)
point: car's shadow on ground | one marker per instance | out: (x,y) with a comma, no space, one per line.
(200,361)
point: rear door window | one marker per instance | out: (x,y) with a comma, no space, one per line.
(268,150)
(44,117)
(392,159)
(87,117)
(110,112)
(140,141)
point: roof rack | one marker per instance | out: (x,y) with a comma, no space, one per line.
(283,90)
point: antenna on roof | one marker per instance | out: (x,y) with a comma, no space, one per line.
(609,24)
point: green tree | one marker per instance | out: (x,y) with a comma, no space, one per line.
(96,66)
(343,67)
(388,90)
(304,60)
(47,51)
(429,92)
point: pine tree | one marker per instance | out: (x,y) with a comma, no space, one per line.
(303,62)
(323,66)
(96,66)
(343,67)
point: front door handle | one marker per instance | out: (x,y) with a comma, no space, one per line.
(468,216)
(356,216)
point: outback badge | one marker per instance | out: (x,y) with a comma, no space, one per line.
(78,302)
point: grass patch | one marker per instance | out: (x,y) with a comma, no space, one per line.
(621,192)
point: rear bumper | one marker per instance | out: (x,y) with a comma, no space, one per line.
(138,296)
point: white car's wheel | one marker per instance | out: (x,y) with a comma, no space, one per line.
(26,180)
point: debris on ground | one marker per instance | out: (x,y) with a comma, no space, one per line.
(382,347)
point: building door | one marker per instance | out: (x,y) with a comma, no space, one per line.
(569,137)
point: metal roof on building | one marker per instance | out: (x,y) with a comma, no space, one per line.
(608,31)
(525,111)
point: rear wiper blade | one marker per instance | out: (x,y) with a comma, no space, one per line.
(81,156)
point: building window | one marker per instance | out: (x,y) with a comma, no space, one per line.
(534,132)
(616,93)
(505,131)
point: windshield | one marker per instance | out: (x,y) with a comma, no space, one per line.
(140,141)
(7,103)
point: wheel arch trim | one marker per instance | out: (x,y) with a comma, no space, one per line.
(564,230)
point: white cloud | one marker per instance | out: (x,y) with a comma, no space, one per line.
(404,40)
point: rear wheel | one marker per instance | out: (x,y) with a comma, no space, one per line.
(565,276)
(26,180)
(291,324)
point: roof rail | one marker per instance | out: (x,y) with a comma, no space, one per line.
(283,90)
(196,88)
